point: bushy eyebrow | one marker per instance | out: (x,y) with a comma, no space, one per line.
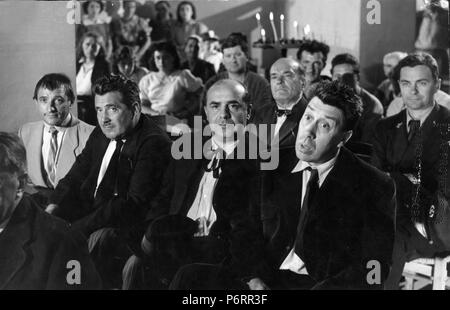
(326,116)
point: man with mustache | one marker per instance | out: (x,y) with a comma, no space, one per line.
(412,146)
(208,200)
(108,190)
(53,143)
(332,216)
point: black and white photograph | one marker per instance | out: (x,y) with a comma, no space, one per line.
(220,148)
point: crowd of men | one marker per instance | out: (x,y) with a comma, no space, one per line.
(136,208)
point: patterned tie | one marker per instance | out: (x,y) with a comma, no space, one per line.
(51,160)
(311,189)
(414,126)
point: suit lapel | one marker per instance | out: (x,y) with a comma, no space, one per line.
(68,150)
(35,163)
(187,179)
(400,139)
(289,128)
(14,243)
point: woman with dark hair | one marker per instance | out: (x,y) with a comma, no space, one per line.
(186,24)
(95,19)
(170,90)
(125,64)
(163,23)
(91,65)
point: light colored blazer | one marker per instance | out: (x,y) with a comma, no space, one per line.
(74,141)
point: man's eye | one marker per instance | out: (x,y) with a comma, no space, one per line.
(325,125)
(424,83)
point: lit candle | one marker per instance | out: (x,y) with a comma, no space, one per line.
(296,30)
(306,31)
(281,26)
(258,20)
(275,36)
(263,35)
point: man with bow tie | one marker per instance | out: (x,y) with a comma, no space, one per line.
(328,219)
(412,146)
(53,143)
(287,82)
(213,191)
(108,190)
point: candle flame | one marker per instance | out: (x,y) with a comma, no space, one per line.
(306,29)
(258,17)
(282,17)
(271,16)
(295,24)
(263,32)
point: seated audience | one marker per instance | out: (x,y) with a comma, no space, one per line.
(169,90)
(235,57)
(312,56)
(210,50)
(37,249)
(412,147)
(163,23)
(330,216)
(132,30)
(345,67)
(217,201)
(108,190)
(198,67)
(186,25)
(90,66)
(95,19)
(385,91)
(125,64)
(54,142)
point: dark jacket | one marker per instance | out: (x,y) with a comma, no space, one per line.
(349,224)
(143,160)
(36,249)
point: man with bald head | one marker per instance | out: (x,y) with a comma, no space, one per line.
(212,212)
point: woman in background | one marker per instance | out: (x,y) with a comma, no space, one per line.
(163,23)
(186,25)
(125,64)
(90,66)
(169,91)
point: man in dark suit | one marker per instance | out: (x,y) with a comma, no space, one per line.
(108,190)
(38,251)
(214,191)
(332,217)
(412,146)
(287,81)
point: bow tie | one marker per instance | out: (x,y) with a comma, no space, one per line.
(281,112)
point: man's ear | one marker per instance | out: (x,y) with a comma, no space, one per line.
(346,136)
(438,84)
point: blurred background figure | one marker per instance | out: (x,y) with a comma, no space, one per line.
(163,23)
(91,65)
(169,91)
(199,67)
(125,64)
(210,49)
(95,19)
(131,30)
(385,91)
(186,25)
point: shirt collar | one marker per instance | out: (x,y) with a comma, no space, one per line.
(322,168)
(64,124)
(422,118)
(228,147)
(290,106)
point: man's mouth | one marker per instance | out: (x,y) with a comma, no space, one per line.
(307,145)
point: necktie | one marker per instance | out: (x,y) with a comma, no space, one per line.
(108,184)
(281,112)
(216,163)
(311,189)
(414,126)
(51,160)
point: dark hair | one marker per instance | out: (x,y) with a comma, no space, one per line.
(345,58)
(86,4)
(13,156)
(166,47)
(339,95)
(163,2)
(126,87)
(417,59)
(54,81)
(314,47)
(89,34)
(232,41)
(194,12)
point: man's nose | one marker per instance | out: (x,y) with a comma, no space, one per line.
(309,130)
(52,106)
(414,89)
(225,113)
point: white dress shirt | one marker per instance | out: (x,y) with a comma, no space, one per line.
(105,162)
(83,80)
(202,209)
(292,262)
